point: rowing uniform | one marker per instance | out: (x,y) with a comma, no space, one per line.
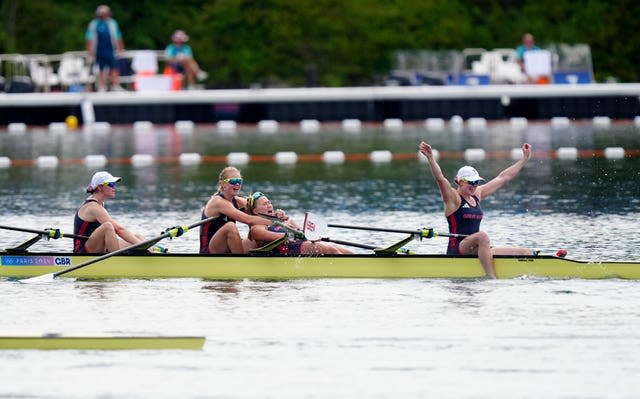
(83,228)
(465,220)
(207,230)
(291,247)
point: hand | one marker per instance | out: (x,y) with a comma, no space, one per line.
(426,149)
(282,215)
(527,151)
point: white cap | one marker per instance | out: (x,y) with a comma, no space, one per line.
(468,173)
(101,178)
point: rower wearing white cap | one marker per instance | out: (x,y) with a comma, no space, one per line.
(463,212)
(93,220)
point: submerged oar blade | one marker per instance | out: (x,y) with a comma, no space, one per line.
(45,278)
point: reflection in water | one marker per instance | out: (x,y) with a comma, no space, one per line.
(465,294)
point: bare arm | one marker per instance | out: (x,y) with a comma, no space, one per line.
(219,206)
(102,216)
(506,175)
(449,195)
(260,233)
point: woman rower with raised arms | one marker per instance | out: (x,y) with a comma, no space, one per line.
(463,212)
(93,220)
(221,235)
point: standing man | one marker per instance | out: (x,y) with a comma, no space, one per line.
(103,39)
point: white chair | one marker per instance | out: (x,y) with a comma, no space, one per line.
(73,70)
(145,65)
(537,65)
(42,74)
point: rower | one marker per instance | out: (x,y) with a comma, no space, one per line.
(463,212)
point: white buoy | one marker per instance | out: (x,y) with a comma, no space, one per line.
(602,122)
(422,158)
(636,121)
(98,127)
(227,127)
(475,154)
(238,158)
(58,127)
(567,153)
(95,161)
(5,162)
(477,124)
(142,126)
(47,161)
(456,123)
(333,157)
(518,123)
(516,153)
(614,152)
(141,160)
(381,156)
(184,126)
(190,158)
(268,126)
(309,126)
(351,125)
(560,122)
(17,128)
(393,124)
(434,124)
(286,157)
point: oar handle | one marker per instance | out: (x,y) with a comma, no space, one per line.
(278,222)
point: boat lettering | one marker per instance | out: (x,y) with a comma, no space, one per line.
(31,260)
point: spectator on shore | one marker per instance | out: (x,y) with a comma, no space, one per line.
(181,59)
(528,44)
(103,40)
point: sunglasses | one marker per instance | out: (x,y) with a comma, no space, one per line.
(234,180)
(112,184)
(474,183)
(253,198)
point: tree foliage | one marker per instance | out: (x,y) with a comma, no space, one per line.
(282,42)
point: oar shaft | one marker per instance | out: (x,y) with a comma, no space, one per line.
(42,232)
(349,243)
(415,232)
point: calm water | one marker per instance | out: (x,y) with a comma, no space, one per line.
(526,338)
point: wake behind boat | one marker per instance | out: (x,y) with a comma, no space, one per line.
(268,266)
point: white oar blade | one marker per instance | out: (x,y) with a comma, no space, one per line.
(315,227)
(45,278)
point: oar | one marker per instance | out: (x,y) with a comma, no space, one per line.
(421,233)
(315,228)
(47,233)
(171,232)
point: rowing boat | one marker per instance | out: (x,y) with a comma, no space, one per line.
(284,267)
(100,342)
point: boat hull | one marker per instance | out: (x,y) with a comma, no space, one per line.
(280,267)
(54,341)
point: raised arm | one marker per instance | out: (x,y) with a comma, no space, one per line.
(506,175)
(448,193)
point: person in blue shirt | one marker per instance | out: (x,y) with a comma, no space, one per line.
(103,40)
(180,58)
(528,44)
